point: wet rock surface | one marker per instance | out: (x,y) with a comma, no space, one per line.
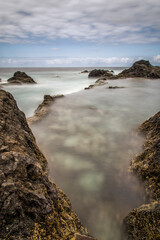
(144,222)
(43,109)
(31,206)
(21,78)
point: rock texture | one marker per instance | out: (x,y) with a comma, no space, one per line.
(144,222)
(100,73)
(142,69)
(31,206)
(43,109)
(21,78)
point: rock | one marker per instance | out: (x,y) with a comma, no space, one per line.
(89,87)
(114,87)
(21,78)
(100,73)
(31,206)
(43,109)
(142,69)
(85,71)
(144,222)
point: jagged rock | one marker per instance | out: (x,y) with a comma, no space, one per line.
(89,87)
(21,78)
(43,109)
(31,206)
(100,73)
(144,222)
(142,69)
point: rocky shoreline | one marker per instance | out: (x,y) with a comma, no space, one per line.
(31,205)
(43,109)
(144,222)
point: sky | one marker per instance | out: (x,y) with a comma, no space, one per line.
(71,33)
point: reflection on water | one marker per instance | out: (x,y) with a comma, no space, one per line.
(89,140)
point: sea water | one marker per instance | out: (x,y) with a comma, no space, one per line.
(50,81)
(89,139)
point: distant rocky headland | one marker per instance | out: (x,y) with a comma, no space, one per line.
(140,69)
(31,205)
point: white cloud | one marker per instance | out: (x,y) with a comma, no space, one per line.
(65,62)
(116,21)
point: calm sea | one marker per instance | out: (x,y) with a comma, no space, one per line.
(89,139)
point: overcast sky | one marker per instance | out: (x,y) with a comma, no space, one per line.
(78,33)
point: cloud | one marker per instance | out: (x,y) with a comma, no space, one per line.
(55,49)
(65,62)
(118,21)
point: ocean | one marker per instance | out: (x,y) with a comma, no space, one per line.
(89,139)
(50,81)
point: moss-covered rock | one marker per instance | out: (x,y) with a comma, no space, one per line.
(31,205)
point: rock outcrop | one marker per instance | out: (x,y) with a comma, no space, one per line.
(43,109)
(100,73)
(144,222)
(140,69)
(31,206)
(21,78)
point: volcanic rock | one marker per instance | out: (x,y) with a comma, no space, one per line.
(142,69)
(21,78)
(100,73)
(31,206)
(43,109)
(144,222)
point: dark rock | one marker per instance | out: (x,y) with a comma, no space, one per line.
(31,206)
(144,222)
(43,109)
(114,87)
(85,71)
(21,78)
(142,69)
(89,87)
(100,73)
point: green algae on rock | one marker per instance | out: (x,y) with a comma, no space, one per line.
(144,222)
(31,206)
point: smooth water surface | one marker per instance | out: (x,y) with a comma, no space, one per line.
(89,140)
(50,81)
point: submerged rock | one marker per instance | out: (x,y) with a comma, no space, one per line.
(43,109)
(142,69)
(114,87)
(31,206)
(21,78)
(144,222)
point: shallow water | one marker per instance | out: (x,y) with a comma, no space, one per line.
(89,140)
(50,81)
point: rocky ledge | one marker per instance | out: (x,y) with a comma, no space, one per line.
(21,78)
(43,109)
(31,206)
(144,222)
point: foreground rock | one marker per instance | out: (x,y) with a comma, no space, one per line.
(21,78)
(31,206)
(144,222)
(142,69)
(43,109)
